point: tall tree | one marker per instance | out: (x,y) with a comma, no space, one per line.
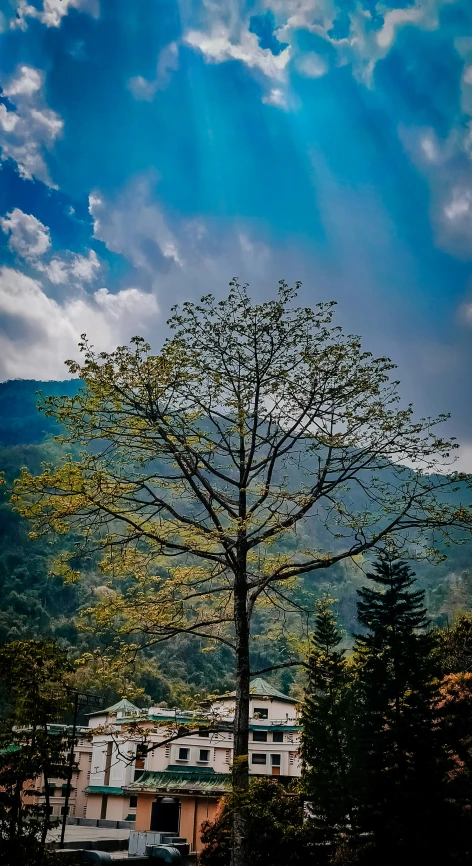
(255,422)
(454,720)
(454,646)
(400,769)
(326,723)
(32,689)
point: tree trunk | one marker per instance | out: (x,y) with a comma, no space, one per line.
(240,853)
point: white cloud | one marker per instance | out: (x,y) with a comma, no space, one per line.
(275,97)
(460,205)
(466,313)
(136,227)
(50,122)
(464,459)
(26,82)
(168,61)
(429,148)
(8,119)
(218,46)
(467,77)
(393,19)
(31,128)
(311,65)
(52,11)
(364,44)
(128,302)
(43,333)
(75,268)
(142,89)
(456,219)
(29,238)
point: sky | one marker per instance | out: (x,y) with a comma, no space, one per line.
(152,150)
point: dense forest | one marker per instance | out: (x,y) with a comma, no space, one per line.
(35,604)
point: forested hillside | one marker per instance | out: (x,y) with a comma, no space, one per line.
(33,603)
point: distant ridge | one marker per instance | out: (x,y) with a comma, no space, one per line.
(20,421)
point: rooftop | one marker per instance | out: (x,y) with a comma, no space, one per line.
(182,779)
(124,706)
(262,689)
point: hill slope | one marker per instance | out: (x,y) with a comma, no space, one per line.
(33,603)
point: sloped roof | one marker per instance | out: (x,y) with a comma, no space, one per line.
(262,689)
(123,706)
(181,779)
(103,789)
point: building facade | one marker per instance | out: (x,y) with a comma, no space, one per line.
(57,784)
(173,786)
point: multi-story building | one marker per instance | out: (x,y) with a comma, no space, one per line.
(57,784)
(173,786)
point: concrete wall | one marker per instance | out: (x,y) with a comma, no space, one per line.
(143,812)
(117,807)
(94,805)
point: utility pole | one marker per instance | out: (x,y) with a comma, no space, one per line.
(84,699)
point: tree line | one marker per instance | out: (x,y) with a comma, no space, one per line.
(386,743)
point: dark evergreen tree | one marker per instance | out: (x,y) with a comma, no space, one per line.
(326,720)
(398,759)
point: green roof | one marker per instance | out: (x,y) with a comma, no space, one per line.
(123,706)
(103,789)
(175,779)
(10,750)
(262,689)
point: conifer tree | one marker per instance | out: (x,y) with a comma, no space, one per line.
(398,762)
(326,721)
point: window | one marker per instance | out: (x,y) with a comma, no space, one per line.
(108,754)
(204,755)
(259,736)
(51,788)
(141,752)
(184,754)
(133,802)
(258,759)
(277,737)
(64,811)
(140,760)
(203,732)
(261,713)
(275,760)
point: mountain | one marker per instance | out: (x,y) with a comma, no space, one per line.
(20,421)
(32,603)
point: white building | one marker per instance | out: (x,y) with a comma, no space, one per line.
(129,782)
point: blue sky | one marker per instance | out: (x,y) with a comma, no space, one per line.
(155,149)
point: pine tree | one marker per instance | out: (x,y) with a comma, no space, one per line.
(326,722)
(398,758)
